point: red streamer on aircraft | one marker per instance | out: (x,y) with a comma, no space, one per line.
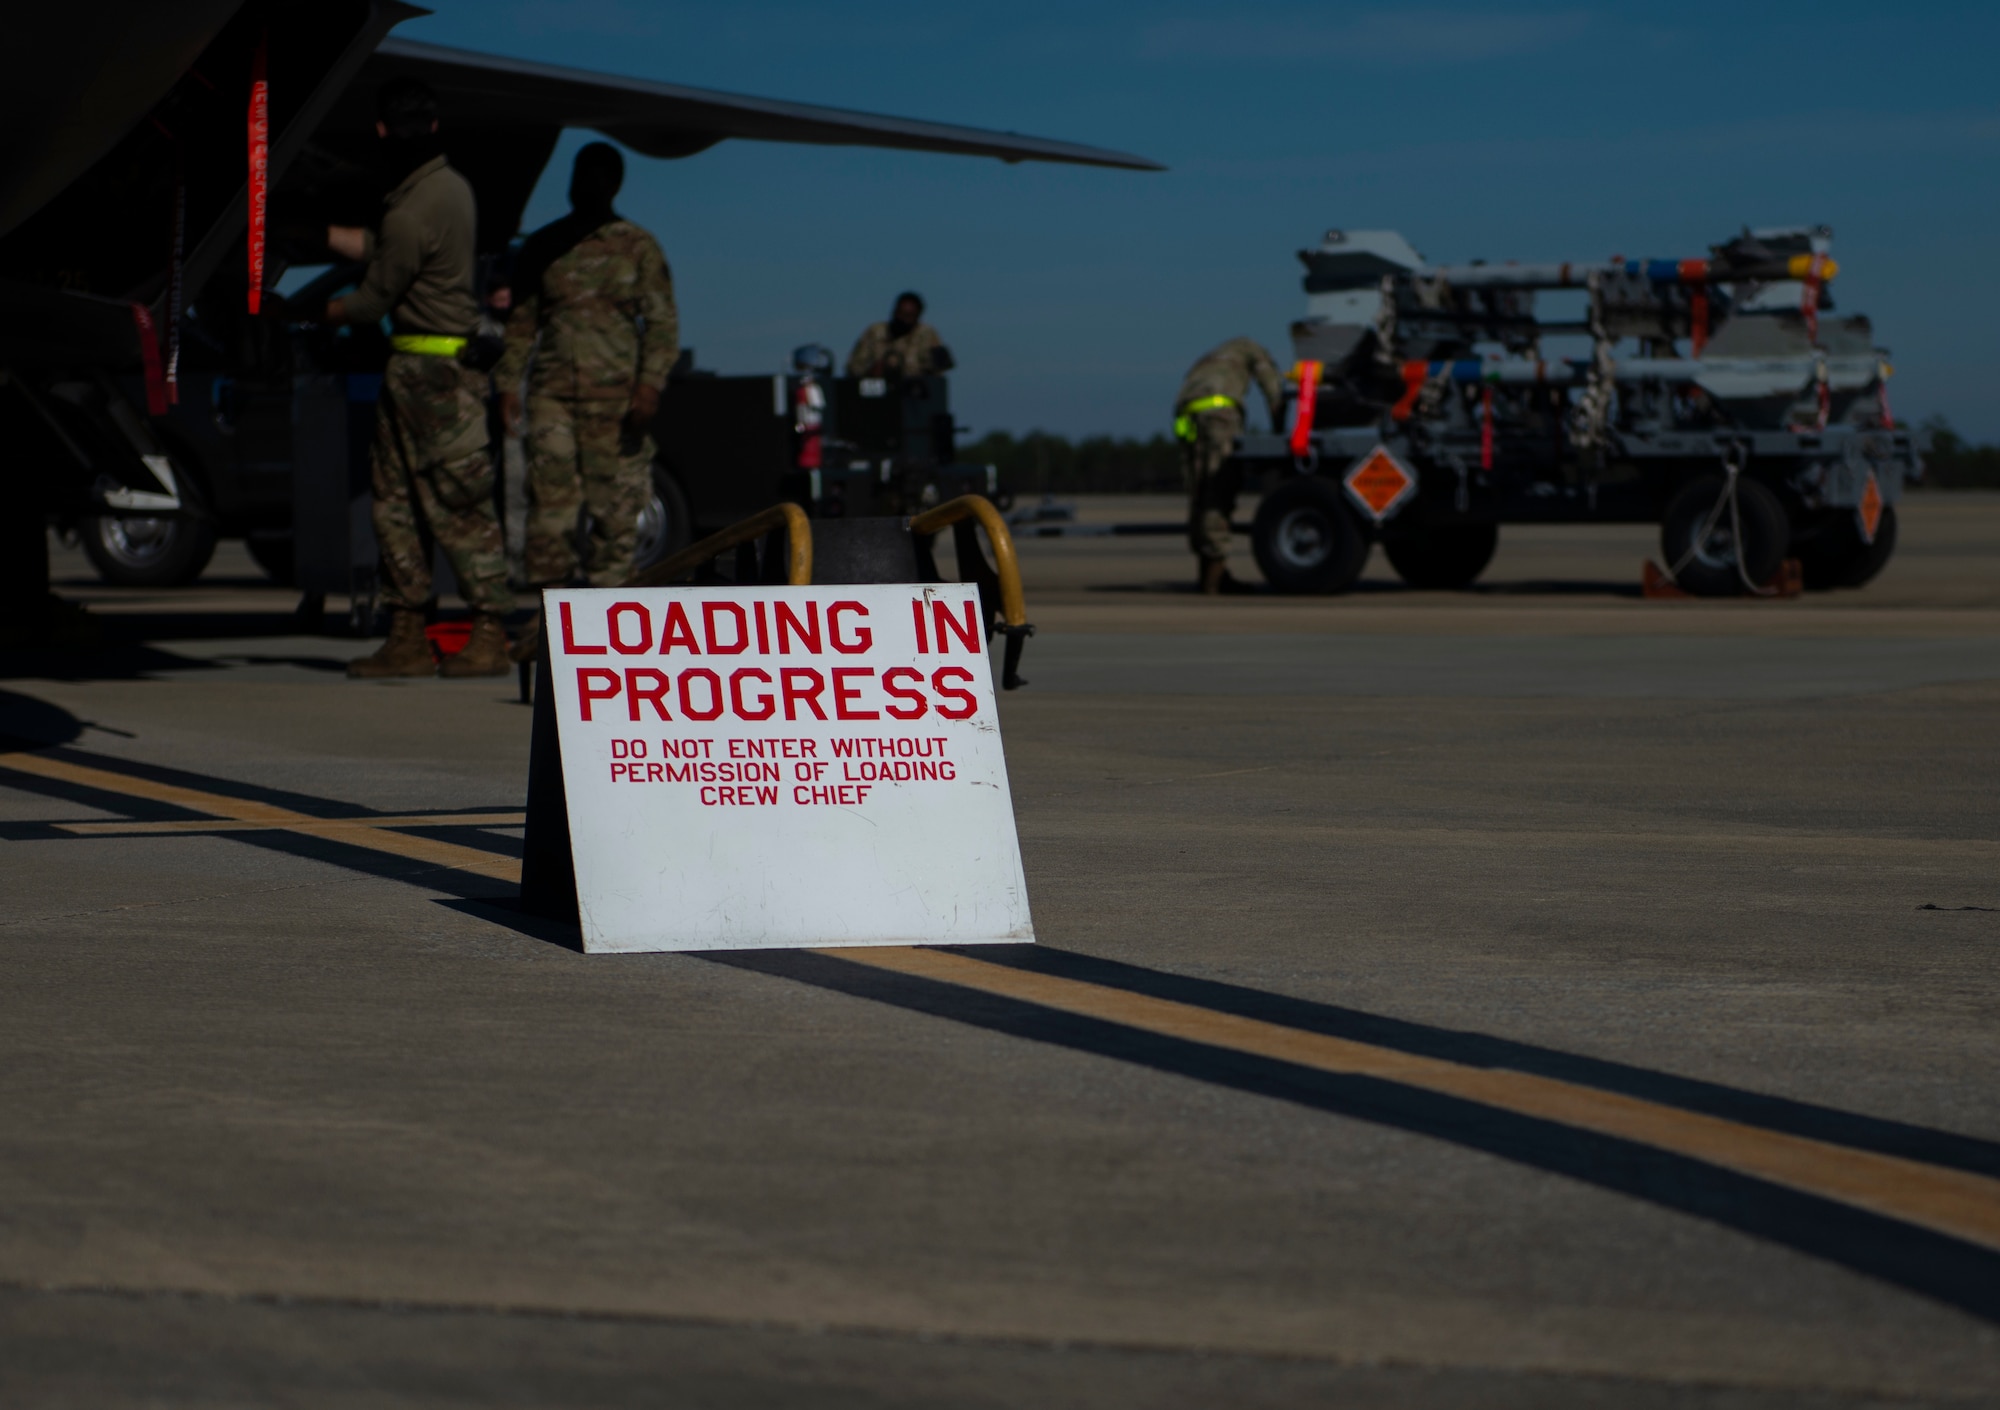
(149,357)
(260,164)
(176,290)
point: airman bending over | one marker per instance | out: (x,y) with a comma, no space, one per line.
(1208,417)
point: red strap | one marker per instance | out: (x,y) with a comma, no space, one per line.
(260,162)
(1413,383)
(149,355)
(1486,427)
(1304,407)
(1698,317)
(1809,300)
(176,290)
(807,420)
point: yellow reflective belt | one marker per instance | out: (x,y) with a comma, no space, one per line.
(429,344)
(1184,418)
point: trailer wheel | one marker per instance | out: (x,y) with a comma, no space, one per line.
(163,551)
(1307,539)
(1450,557)
(1840,558)
(665,526)
(1708,568)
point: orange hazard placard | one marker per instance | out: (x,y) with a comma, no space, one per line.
(1870,510)
(1380,482)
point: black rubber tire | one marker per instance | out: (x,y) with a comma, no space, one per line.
(1712,572)
(274,553)
(1307,539)
(665,524)
(166,551)
(1451,557)
(1839,558)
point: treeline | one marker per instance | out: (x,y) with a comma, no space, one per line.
(1954,463)
(1040,463)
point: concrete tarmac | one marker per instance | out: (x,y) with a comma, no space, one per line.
(304,1120)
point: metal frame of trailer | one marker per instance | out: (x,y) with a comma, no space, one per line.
(1721,398)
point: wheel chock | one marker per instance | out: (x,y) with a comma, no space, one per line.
(1654,583)
(1789,581)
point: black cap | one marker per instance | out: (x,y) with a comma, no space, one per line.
(407,107)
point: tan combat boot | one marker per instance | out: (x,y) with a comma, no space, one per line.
(1214,576)
(407,652)
(485,653)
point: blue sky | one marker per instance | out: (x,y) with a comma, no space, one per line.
(1075,298)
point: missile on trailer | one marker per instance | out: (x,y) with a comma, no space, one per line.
(1568,275)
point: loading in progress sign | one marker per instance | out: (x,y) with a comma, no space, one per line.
(764,767)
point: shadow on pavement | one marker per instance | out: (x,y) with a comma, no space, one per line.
(1381,588)
(1961,1274)
(1553,587)
(28,723)
(506,911)
(124,628)
(126,647)
(1952,1270)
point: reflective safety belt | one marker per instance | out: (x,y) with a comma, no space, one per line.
(1184,421)
(429,344)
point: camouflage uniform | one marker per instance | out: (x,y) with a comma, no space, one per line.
(434,477)
(911,355)
(594,307)
(433,467)
(1208,435)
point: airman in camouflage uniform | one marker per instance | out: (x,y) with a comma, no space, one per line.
(433,467)
(1208,417)
(594,313)
(905,346)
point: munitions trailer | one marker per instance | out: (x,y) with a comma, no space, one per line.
(1720,398)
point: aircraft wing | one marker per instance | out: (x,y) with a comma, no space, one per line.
(76,77)
(669,120)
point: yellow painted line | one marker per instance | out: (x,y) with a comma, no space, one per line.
(142,829)
(371,835)
(1956,1203)
(1953,1202)
(242,810)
